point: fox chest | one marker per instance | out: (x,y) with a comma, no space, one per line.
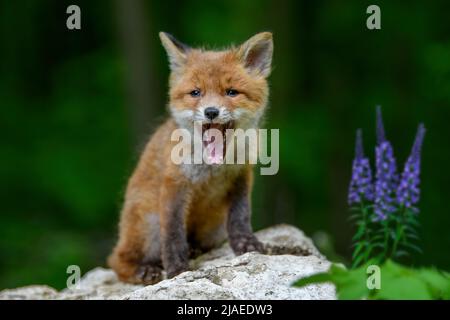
(210,175)
(210,202)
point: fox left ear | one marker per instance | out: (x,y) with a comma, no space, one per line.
(175,49)
(256,53)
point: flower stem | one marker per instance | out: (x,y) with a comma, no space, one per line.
(386,240)
(398,231)
(366,231)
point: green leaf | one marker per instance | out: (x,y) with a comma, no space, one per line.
(438,282)
(350,284)
(401,253)
(409,228)
(314,279)
(359,247)
(358,261)
(412,247)
(378,237)
(357,237)
(378,245)
(398,282)
(412,235)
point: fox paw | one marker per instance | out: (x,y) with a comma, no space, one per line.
(176,268)
(149,274)
(246,243)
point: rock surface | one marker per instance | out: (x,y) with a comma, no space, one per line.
(218,274)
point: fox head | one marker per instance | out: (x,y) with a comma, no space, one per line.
(219,89)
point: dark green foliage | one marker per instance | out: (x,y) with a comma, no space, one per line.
(376,241)
(396,282)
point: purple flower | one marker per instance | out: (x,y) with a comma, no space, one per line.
(386,173)
(361,187)
(408,192)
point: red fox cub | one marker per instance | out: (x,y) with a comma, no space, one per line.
(173,209)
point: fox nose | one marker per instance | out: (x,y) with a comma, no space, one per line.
(211,112)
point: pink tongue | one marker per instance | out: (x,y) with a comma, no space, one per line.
(214,150)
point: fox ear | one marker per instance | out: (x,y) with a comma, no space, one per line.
(256,53)
(176,50)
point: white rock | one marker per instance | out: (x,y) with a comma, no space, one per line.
(218,274)
(29,292)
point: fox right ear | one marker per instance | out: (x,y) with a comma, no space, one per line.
(256,53)
(176,50)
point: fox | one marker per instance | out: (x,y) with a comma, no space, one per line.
(173,211)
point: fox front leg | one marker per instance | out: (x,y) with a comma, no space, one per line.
(174,245)
(239,227)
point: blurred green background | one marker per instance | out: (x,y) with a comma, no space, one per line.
(77,107)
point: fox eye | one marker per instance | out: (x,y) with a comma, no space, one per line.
(231,92)
(195,93)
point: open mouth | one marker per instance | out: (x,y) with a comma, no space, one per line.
(214,141)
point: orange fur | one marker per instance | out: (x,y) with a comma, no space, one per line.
(156,184)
